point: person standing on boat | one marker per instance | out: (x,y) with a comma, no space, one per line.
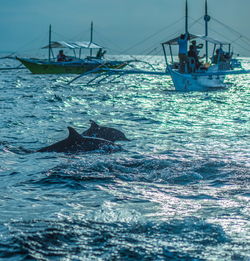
(196,47)
(183,50)
(194,53)
(192,59)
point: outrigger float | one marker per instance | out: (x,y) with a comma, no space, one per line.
(210,75)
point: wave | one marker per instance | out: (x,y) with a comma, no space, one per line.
(85,239)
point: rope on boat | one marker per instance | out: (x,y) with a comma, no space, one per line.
(239,35)
(152,48)
(231,29)
(151,36)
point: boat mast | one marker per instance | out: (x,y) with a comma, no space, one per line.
(91,36)
(186,18)
(207,19)
(49,42)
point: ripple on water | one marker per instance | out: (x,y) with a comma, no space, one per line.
(82,238)
(178,191)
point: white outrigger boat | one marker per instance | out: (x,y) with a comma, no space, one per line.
(209,75)
(206,76)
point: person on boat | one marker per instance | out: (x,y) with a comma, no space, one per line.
(219,56)
(100,54)
(183,42)
(193,58)
(196,47)
(61,57)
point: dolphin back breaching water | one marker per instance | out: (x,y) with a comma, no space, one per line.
(106,133)
(77,143)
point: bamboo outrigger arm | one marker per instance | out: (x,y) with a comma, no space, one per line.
(109,71)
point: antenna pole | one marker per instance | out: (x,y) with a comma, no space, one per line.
(91,36)
(49,42)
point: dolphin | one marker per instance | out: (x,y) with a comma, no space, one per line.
(78,143)
(106,133)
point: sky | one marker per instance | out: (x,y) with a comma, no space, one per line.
(123,26)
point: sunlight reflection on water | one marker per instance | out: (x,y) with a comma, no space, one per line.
(179,189)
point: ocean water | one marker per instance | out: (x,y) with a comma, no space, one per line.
(178,191)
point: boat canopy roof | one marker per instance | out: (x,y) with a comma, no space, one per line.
(73,45)
(201,37)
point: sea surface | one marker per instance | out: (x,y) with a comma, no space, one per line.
(179,190)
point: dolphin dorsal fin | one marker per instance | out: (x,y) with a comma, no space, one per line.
(93,124)
(73,133)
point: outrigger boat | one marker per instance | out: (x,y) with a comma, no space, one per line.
(210,75)
(207,76)
(73,64)
(204,76)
